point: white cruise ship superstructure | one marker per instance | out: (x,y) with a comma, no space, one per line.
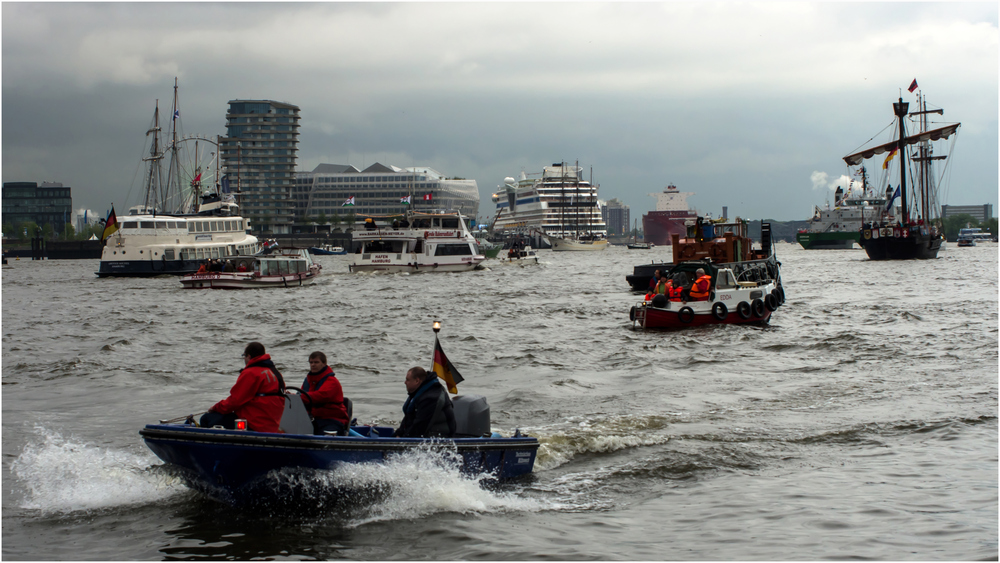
(559,203)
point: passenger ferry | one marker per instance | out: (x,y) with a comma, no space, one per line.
(285,268)
(423,242)
(154,244)
(559,203)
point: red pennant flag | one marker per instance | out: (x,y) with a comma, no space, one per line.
(913,85)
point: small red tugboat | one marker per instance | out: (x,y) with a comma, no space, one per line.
(743,283)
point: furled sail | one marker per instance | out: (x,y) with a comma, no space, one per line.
(932,135)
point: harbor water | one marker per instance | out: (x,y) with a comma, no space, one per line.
(861,423)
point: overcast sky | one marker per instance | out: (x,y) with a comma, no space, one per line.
(748,105)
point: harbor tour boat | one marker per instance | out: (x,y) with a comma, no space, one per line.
(743,286)
(913,229)
(242,466)
(422,242)
(183,220)
(271,268)
(839,227)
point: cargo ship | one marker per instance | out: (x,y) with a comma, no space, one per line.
(668,219)
(839,227)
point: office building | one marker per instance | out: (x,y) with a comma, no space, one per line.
(981,213)
(258,154)
(48,204)
(616,217)
(379,190)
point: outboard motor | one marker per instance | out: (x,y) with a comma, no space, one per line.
(472,416)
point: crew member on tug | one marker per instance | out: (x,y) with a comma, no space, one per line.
(257,396)
(325,397)
(428,411)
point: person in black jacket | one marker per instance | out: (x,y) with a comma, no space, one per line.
(427,412)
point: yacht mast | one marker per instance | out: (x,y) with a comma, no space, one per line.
(153,179)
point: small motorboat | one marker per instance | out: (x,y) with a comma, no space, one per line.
(327,250)
(522,254)
(240,467)
(278,268)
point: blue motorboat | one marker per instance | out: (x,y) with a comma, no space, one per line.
(238,466)
(327,250)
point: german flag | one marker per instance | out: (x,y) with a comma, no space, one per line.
(444,369)
(110,225)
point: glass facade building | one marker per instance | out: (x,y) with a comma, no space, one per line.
(50,203)
(378,191)
(258,154)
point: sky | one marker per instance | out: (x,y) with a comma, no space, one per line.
(749,105)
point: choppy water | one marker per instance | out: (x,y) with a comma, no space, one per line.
(861,424)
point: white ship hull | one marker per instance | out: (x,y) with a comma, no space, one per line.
(431,243)
(561,244)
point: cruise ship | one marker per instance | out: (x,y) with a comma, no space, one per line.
(668,219)
(839,227)
(558,203)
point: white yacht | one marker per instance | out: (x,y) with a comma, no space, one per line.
(423,242)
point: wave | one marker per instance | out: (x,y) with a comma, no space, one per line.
(63,475)
(597,434)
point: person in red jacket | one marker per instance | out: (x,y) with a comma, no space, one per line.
(258,395)
(325,397)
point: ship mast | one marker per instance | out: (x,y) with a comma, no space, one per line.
(900,108)
(924,157)
(153,180)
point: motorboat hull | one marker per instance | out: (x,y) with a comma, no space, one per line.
(245,280)
(827,241)
(561,244)
(233,466)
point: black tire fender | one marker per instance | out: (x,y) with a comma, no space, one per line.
(685,315)
(631,314)
(771,302)
(720,311)
(743,310)
(758,309)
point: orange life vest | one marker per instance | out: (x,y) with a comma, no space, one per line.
(699,290)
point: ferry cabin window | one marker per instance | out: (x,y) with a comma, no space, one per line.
(284,266)
(384,246)
(725,280)
(453,250)
(200,254)
(449,222)
(187,254)
(421,223)
(130,224)
(168,254)
(146,224)
(161,224)
(215,253)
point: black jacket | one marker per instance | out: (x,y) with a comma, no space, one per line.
(428,413)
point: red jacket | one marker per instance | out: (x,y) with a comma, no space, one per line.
(263,414)
(327,398)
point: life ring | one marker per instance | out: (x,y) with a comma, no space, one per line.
(716,251)
(743,310)
(688,251)
(771,302)
(720,311)
(426,234)
(685,315)
(758,309)
(631,314)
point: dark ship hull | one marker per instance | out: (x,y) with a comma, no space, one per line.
(659,226)
(898,243)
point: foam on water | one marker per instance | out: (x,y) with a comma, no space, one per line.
(407,486)
(62,475)
(559,445)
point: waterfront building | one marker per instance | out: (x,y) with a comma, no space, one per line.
(616,217)
(981,213)
(379,190)
(50,203)
(258,153)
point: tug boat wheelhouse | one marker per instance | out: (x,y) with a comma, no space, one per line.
(745,284)
(286,268)
(423,242)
